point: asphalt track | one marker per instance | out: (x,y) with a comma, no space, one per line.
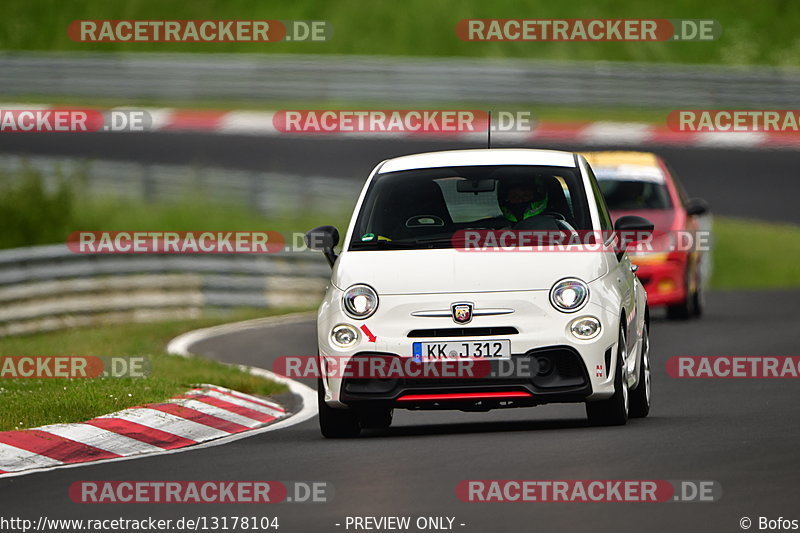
(756,183)
(740,433)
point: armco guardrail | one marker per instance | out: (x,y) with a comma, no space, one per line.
(187,77)
(50,287)
(266,192)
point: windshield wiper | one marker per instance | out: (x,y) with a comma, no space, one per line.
(403,243)
(384,244)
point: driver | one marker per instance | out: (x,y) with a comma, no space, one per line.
(519,200)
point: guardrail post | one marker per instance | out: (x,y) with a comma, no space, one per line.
(148,184)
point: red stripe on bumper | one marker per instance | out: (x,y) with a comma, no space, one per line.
(464,396)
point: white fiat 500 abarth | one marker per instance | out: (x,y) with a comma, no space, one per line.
(479,279)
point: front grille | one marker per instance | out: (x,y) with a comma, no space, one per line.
(463,332)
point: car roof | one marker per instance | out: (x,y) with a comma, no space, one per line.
(494,156)
(643,166)
(617,158)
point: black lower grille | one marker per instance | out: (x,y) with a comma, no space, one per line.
(550,371)
(463,332)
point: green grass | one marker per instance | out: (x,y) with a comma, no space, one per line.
(753,32)
(750,254)
(26,403)
(32,215)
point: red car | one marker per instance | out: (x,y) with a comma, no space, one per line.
(676,270)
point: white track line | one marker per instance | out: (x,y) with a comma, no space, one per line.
(180,344)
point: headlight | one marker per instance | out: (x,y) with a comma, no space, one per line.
(584,328)
(344,335)
(360,301)
(569,295)
(655,249)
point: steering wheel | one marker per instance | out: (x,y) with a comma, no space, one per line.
(555,214)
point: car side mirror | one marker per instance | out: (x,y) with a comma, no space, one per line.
(696,206)
(633,223)
(632,228)
(323,239)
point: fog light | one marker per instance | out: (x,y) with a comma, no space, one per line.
(584,328)
(545,365)
(344,335)
(666,285)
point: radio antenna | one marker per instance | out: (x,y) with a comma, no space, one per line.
(489,131)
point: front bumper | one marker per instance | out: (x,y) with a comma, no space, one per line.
(580,368)
(543,375)
(664,282)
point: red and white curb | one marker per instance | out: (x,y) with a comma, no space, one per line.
(207,415)
(592,133)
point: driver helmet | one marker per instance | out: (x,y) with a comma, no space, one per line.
(521,199)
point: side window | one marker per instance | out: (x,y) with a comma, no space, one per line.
(678,185)
(602,209)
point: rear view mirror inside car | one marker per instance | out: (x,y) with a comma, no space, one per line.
(476,186)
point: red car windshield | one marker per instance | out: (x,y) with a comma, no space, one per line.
(632,195)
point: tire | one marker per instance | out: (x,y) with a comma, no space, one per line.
(640,396)
(681,311)
(613,411)
(377,418)
(335,423)
(699,301)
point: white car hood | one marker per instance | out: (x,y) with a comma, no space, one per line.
(452,271)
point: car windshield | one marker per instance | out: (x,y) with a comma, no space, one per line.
(424,208)
(634,194)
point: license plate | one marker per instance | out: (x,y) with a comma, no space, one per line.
(459,350)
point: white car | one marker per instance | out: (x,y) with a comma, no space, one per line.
(407,290)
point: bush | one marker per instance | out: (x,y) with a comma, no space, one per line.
(30,214)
